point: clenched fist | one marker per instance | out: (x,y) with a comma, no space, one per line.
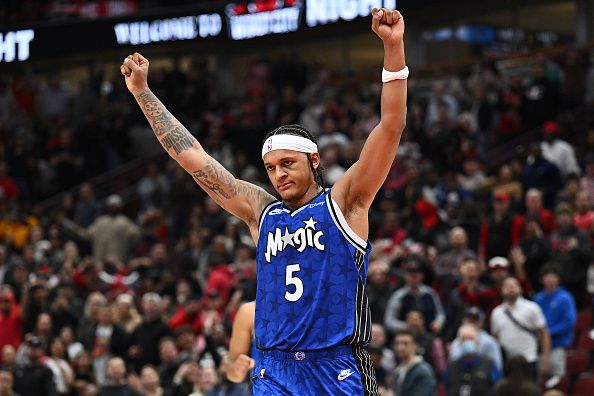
(240,367)
(135,71)
(388,25)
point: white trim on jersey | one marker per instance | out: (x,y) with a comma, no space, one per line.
(265,212)
(343,226)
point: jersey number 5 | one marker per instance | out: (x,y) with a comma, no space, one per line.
(293,280)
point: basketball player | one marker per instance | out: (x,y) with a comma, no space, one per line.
(312,317)
(242,335)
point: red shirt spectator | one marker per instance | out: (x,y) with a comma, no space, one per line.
(8,188)
(534,209)
(11,322)
(221,279)
(584,216)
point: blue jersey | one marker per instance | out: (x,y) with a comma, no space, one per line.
(312,271)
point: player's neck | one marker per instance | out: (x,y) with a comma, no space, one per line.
(310,194)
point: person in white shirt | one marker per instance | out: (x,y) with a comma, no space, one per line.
(520,326)
(63,374)
(557,151)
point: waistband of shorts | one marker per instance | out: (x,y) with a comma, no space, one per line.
(320,354)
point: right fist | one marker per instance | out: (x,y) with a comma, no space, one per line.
(135,72)
(238,369)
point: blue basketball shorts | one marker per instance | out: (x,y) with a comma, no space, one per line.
(344,370)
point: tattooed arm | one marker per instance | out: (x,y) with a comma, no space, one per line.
(238,197)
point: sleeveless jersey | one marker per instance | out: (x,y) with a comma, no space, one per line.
(312,271)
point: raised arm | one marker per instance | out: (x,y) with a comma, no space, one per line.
(359,185)
(238,197)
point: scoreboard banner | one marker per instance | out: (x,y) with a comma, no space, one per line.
(234,21)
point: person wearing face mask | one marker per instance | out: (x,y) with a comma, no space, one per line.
(472,374)
(487,345)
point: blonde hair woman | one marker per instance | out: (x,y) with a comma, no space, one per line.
(125,313)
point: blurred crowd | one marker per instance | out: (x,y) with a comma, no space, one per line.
(477,264)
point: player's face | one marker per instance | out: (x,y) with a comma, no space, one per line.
(290,173)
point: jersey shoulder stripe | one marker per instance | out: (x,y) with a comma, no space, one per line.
(267,208)
(342,225)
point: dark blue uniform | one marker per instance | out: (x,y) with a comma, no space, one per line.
(312,314)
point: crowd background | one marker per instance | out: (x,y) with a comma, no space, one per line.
(135,292)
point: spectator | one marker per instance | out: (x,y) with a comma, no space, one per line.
(380,341)
(66,307)
(559,310)
(520,327)
(117,385)
(4,265)
(508,184)
(496,232)
(535,210)
(222,387)
(541,98)
(469,292)
(34,378)
(440,94)
(193,257)
(84,375)
(144,341)
(447,265)
(570,247)
(378,289)
(62,372)
(6,383)
(188,380)
(187,314)
(125,313)
(66,160)
(34,302)
(87,207)
(170,362)
(105,340)
(535,249)
(113,234)
(519,379)
(587,180)
(149,384)
(8,187)
(430,346)
(472,374)
(95,301)
(9,361)
(558,151)
(584,214)
(11,322)
(152,189)
(541,174)
(413,376)
(487,345)
(414,296)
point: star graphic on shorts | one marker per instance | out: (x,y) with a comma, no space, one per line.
(287,238)
(311,223)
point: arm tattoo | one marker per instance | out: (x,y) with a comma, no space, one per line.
(203,179)
(170,132)
(215,178)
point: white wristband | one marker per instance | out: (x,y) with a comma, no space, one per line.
(388,76)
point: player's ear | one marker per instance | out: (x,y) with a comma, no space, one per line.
(315,159)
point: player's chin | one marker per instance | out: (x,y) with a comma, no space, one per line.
(287,194)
